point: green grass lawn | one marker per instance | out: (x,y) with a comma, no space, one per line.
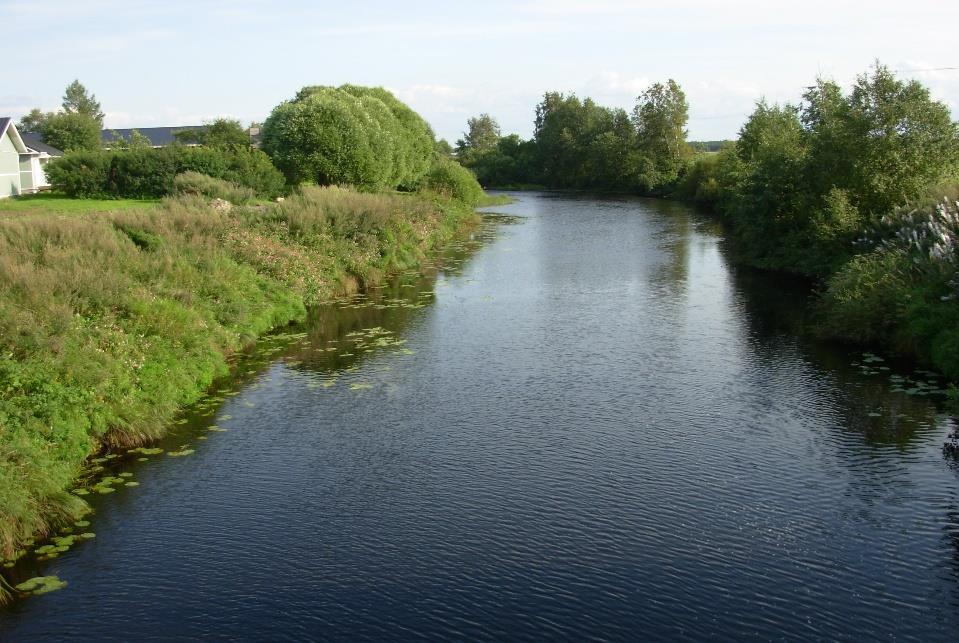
(54,203)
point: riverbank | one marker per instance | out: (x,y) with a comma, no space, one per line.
(110,322)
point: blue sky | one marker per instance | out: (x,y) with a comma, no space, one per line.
(177,63)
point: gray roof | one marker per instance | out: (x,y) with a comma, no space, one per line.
(35,142)
(4,122)
(158,136)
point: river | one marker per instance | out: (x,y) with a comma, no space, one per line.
(582,423)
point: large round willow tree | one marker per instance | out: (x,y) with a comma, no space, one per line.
(362,136)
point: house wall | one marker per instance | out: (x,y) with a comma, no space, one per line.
(39,172)
(9,167)
(27,182)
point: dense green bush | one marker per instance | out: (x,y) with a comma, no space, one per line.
(349,135)
(148,173)
(80,174)
(449,178)
(904,291)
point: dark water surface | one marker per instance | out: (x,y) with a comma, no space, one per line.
(595,428)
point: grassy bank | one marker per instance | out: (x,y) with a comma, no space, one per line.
(111,321)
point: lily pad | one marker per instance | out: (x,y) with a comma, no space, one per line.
(180,454)
(41,585)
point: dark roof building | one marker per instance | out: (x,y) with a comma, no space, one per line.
(158,136)
(35,142)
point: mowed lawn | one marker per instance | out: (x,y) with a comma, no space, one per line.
(53,203)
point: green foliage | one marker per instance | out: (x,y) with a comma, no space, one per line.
(136,140)
(349,135)
(808,179)
(34,120)
(109,324)
(864,300)
(711,180)
(481,137)
(580,144)
(80,174)
(660,118)
(449,178)
(70,131)
(904,291)
(222,132)
(252,168)
(76,127)
(76,100)
(512,162)
(570,143)
(144,172)
(443,148)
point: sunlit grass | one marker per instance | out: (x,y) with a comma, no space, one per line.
(53,203)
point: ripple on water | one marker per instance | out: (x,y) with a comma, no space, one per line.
(602,433)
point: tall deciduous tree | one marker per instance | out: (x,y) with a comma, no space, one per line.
(660,118)
(75,127)
(906,140)
(481,136)
(34,121)
(77,100)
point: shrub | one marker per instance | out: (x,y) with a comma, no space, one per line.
(865,300)
(80,174)
(254,169)
(451,179)
(348,136)
(149,173)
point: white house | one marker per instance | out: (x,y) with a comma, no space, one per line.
(21,161)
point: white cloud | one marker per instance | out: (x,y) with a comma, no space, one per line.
(612,82)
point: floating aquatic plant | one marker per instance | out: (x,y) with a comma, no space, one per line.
(41,585)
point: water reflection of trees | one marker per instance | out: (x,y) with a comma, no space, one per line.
(778,310)
(394,306)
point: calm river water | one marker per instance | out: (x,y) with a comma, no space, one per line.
(583,424)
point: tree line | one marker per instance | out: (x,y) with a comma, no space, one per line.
(857,189)
(349,135)
(580,144)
